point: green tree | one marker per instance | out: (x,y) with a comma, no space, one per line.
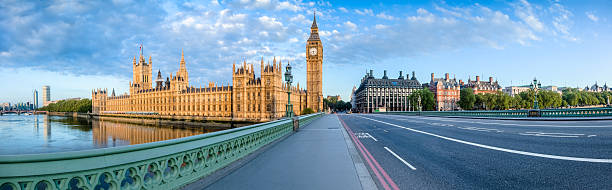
(82,105)
(467,99)
(427,100)
(307,111)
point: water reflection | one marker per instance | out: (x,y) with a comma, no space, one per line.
(105,131)
(59,134)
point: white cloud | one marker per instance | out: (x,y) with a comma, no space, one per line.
(592,16)
(286,5)
(364,12)
(524,10)
(298,18)
(344,10)
(381,26)
(562,21)
(270,22)
(350,25)
(385,16)
(474,26)
(293,40)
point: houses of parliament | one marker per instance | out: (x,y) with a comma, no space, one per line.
(252,98)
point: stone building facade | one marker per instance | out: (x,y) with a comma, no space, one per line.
(446,92)
(247,98)
(482,87)
(384,93)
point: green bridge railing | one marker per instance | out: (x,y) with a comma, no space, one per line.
(167,164)
(575,112)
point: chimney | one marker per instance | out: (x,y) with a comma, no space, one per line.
(432,76)
(460,82)
(371,73)
(446,76)
(491,79)
(477,78)
(385,74)
(400,75)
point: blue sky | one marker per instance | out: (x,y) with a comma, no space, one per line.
(76,46)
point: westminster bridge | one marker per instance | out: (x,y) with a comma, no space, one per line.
(518,149)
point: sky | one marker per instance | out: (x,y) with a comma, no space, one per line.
(77,46)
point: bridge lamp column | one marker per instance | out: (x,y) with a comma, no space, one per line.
(289,80)
(535,86)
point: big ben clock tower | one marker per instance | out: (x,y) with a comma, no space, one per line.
(314,74)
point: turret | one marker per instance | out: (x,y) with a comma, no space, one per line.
(159,81)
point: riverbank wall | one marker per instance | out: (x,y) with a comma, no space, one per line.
(158,120)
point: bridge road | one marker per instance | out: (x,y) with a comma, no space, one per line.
(450,153)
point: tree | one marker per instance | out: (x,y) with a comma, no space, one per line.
(467,99)
(307,111)
(82,105)
(427,100)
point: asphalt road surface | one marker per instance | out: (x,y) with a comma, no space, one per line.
(413,152)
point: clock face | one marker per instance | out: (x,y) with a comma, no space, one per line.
(313,51)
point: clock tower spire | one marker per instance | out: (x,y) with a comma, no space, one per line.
(314,68)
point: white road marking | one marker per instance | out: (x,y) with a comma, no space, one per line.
(365,136)
(595,160)
(401,159)
(442,124)
(559,135)
(591,135)
(481,129)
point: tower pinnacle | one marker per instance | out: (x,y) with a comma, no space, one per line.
(314,20)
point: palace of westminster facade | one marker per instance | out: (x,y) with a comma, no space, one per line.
(247,98)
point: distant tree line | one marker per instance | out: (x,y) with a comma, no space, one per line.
(336,105)
(524,100)
(426,98)
(82,106)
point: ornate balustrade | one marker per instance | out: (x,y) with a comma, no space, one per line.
(167,164)
(576,112)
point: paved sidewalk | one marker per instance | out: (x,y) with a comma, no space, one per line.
(316,157)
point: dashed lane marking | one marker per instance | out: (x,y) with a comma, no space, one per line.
(400,158)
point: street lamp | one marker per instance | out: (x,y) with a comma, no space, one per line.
(289,80)
(535,86)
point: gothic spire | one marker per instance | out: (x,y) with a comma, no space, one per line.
(314,20)
(314,30)
(182,64)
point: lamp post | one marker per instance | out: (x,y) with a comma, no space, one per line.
(289,80)
(535,86)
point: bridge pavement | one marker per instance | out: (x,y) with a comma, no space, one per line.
(319,156)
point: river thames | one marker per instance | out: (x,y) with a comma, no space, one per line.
(32,134)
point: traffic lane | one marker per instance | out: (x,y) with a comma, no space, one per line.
(529,123)
(573,130)
(444,164)
(402,175)
(599,147)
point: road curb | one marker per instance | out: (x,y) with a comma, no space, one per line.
(366,180)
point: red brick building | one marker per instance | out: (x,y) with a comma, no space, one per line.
(446,92)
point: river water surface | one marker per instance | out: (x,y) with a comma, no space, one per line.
(31,134)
